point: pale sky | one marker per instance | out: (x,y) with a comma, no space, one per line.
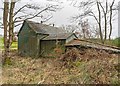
(62,17)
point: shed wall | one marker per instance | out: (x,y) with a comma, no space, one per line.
(27,41)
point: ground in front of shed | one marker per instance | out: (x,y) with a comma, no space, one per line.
(74,67)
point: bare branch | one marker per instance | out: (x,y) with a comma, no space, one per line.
(1,23)
(92,14)
(87,3)
(19,10)
(18,24)
(47,8)
(102,8)
(112,3)
(1,27)
(21,17)
(31,6)
(2,9)
(47,18)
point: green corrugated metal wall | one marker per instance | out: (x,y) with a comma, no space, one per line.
(27,41)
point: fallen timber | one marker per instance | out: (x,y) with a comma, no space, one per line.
(79,43)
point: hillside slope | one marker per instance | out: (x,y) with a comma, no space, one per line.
(74,67)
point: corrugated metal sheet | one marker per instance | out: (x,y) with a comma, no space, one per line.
(53,32)
(44,29)
(58,36)
(78,42)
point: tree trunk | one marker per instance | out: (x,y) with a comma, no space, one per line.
(110,23)
(111,11)
(105,27)
(105,18)
(5,16)
(11,24)
(100,29)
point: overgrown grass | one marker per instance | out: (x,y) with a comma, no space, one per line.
(19,70)
(116,42)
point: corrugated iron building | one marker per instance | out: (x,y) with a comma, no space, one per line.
(36,39)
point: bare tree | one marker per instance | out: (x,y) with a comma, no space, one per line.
(11,24)
(102,14)
(99,22)
(5,16)
(88,11)
(95,31)
(69,28)
(25,16)
(85,29)
(105,11)
(111,15)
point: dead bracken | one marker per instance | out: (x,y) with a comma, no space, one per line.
(85,66)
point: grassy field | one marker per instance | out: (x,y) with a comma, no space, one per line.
(112,42)
(14,44)
(1,43)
